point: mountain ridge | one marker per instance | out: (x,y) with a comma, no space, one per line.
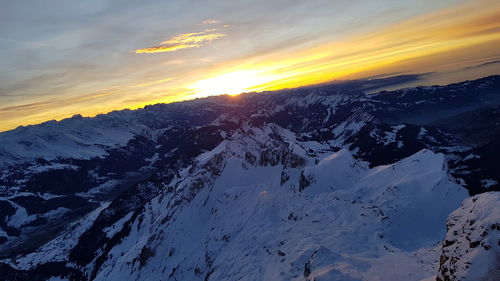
(115,165)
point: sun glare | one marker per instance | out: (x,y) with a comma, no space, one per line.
(231,83)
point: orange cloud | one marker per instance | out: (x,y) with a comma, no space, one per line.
(161,49)
(194,38)
(183,41)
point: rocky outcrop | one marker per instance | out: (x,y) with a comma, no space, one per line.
(471,250)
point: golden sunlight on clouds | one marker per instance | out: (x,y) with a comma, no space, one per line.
(184,41)
(231,83)
(437,33)
(194,38)
(161,49)
(449,40)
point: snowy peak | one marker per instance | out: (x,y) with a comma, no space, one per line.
(315,183)
(249,224)
(72,138)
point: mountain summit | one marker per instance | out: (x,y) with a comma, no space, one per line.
(315,183)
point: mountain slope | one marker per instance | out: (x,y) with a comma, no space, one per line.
(249,226)
(318,182)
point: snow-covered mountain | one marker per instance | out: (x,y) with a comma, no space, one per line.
(316,183)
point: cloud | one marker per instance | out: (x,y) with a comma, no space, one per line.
(183,41)
(210,21)
(175,62)
(483,64)
(28,106)
(161,49)
(151,83)
(194,38)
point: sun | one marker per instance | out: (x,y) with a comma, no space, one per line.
(231,83)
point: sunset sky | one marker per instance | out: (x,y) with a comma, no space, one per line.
(62,57)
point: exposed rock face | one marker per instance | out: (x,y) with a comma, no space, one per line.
(471,250)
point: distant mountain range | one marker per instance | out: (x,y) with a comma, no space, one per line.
(315,183)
